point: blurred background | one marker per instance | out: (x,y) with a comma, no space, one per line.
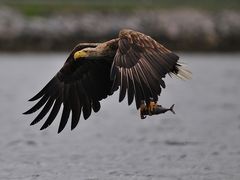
(186,25)
(200,142)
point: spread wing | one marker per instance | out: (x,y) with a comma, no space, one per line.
(79,86)
(139,65)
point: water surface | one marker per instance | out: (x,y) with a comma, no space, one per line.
(200,142)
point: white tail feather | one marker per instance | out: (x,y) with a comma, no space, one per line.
(183,72)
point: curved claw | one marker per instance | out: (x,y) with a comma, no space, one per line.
(143,116)
(142,110)
(147,109)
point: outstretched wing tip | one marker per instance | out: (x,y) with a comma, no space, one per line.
(32,99)
(31,124)
(42,128)
(59,131)
(25,113)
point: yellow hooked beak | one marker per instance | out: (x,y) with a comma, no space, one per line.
(80,54)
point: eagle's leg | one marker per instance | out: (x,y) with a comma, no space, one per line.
(142,110)
(151,106)
(148,108)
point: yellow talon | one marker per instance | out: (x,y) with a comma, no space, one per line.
(149,108)
(142,110)
(152,106)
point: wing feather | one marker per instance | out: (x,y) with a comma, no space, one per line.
(38,105)
(53,114)
(124,81)
(44,111)
(75,106)
(65,116)
(79,86)
(139,66)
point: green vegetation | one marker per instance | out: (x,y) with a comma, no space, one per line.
(43,7)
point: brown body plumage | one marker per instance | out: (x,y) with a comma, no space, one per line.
(133,62)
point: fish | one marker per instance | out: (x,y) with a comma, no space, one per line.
(158,110)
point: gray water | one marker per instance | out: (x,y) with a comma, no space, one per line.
(200,142)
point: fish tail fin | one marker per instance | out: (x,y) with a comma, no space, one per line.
(171,109)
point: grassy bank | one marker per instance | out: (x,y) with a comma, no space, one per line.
(44,7)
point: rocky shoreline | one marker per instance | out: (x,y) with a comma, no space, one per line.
(185,29)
